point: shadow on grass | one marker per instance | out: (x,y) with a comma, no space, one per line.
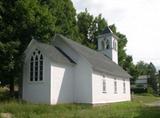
(5,96)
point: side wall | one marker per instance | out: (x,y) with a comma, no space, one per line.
(61,84)
(83,82)
(109,96)
(82,87)
(37,91)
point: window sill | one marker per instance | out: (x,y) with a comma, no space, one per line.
(36,82)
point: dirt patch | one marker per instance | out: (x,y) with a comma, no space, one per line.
(154,104)
(6,115)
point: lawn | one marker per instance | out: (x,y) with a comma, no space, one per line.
(133,109)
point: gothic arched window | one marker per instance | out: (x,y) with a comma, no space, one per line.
(107,44)
(36,66)
(41,68)
(31,69)
(103,45)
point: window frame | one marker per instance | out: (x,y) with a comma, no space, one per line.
(36,67)
(114,44)
(107,44)
(115,86)
(103,45)
(104,89)
(31,68)
(124,86)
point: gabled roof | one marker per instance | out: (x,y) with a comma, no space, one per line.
(98,61)
(107,30)
(53,53)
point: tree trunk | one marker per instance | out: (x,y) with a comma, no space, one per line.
(11,86)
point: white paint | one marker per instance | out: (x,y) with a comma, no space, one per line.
(70,83)
(83,81)
(82,74)
(62,90)
(36,92)
(111,52)
(109,96)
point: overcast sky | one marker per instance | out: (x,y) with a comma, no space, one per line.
(139,20)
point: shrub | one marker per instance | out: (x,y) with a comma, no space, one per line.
(150,90)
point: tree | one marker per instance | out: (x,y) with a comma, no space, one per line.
(90,27)
(153,79)
(142,68)
(65,14)
(122,42)
(150,70)
(124,60)
(22,20)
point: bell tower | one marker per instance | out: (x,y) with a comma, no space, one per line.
(108,44)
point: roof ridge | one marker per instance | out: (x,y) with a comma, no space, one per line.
(83,46)
(97,60)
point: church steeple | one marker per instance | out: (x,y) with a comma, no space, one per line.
(108,44)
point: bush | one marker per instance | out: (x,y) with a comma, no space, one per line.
(150,90)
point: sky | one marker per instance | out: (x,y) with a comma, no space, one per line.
(139,20)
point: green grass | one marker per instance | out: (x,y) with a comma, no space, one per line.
(133,109)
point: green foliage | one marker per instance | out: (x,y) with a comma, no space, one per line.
(150,70)
(142,68)
(22,20)
(150,90)
(124,60)
(90,27)
(65,15)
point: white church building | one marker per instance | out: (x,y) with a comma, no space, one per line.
(68,72)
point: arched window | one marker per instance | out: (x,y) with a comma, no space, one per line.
(103,45)
(36,66)
(41,68)
(114,44)
(107,44)
(31,69)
